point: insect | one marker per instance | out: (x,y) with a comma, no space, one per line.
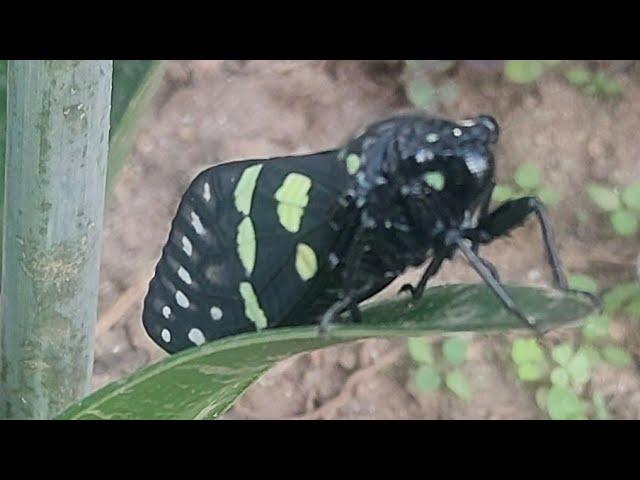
(277,242)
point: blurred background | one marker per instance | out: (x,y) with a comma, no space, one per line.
(569,133)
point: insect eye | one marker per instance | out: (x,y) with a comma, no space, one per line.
(490,126)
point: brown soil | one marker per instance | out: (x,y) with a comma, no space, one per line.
(212,111)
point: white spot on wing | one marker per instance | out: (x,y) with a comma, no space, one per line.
(186,246)
(196,336)
(184,275)
(215,312)
(207,191)
(456,132)
(197,224)
(166,335)
(166,312)
(432,137)
(182,299)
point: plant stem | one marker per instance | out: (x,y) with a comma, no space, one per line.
(56,162)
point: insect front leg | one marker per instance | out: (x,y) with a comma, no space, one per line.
(512,214)
(455,238)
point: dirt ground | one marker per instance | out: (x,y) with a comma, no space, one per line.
(212,111)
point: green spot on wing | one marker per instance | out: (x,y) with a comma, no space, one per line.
(292,197)
(252,308)
(306,261)
(243,193)
(246,240)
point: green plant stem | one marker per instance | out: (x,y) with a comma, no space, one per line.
(56,162)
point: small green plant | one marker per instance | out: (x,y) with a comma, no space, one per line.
(433,369)
(426,85)
(562,373)
(623,299)
(527,71)
(526,182)
(622,207)
(596,84)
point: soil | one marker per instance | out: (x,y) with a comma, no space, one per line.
(212,111)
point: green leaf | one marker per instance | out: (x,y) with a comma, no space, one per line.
(631,196)
(427,378)
(596,326)
(527,176)
(135,82)
(563,404)
(605,198)
(583,283)
(606,86)
(541,397)
(579,368)
(204,382)
(420,350)
(454,350)
(421,93)
(502,193)
(531,372)
(526,350)
(592,354)
(578,76)
(559,376)
(601,411)
(624,223)
(523,71)
(619,296)
(616,356)
(458,384)
(633,308)
(548,196)
(562,353)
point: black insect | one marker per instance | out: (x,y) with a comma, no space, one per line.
(277,242)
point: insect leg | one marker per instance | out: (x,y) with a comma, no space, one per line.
(454,238)
(432,269)
(512,214)
(354,311)
(334,310)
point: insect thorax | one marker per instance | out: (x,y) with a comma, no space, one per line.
(412,178)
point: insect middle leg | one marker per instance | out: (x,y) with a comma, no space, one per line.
(431,270)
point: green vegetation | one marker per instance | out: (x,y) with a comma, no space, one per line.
(597,84)
(621,205)
(204,382)
(527,71)
(562,373)
(526,182)
(432,369)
